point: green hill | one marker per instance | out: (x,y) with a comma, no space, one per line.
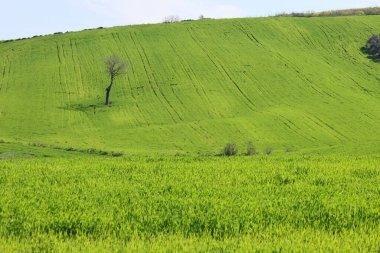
(194,86)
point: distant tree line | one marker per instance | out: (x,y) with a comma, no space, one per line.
(37,36)
(336,13)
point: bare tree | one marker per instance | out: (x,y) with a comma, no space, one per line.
(171,19)
(115,67)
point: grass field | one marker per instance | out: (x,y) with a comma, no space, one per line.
(269,204)
(299,86)
(194,86)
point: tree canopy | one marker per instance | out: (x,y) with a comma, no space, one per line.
(115,67)
(372,48)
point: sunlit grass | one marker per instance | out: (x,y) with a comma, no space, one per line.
(293,203)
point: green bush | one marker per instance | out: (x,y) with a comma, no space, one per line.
(230,150)
(117,154)
(251,150)
(268,150)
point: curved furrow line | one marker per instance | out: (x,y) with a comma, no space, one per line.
(339,135)
(7,73)
(149,78)
(251,105)
(159,88)
(223,71)
(74,62)
(118,43)
(3,77)
(193,78)
(294,128)
(196,131)
(183,66)
(58,54)
(251,37)
(300,74)
(260,88)
(330,43)
(63,50)
(59,69)
(145,69)
(198,43)
(206,133)
(176,73)
(7,85)
(141,114)
(189,72)
(80,69)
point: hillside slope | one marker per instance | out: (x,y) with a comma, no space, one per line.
(194,86)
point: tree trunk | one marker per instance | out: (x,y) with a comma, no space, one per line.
(108,91)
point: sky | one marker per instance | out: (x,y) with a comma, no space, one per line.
(26,18)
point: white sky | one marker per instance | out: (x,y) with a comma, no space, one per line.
(25,18)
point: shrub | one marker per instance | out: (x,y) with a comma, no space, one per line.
(289,149)
(268,150)
(230,150)
(180,154)
(251,150)
(117,154)
(92,151)
(101,152)
(41,145)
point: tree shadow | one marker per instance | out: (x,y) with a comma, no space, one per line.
(88,108)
